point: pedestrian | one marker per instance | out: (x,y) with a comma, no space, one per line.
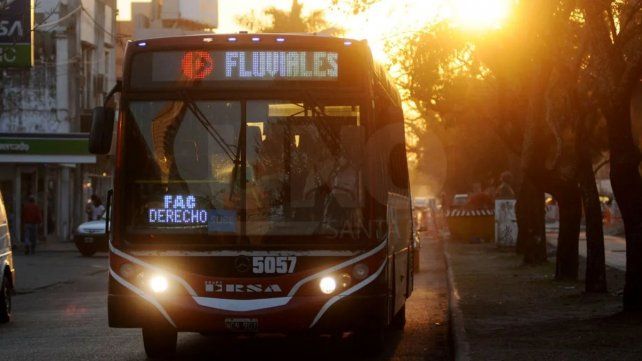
(98,209)
(479,200)
(89,210)
(31,218)
(505,190)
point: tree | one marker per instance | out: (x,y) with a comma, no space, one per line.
(532,88)
(439,59)
(354,6)
(615,30)
(543,81)
(284,21)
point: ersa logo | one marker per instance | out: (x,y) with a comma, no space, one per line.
(220,287)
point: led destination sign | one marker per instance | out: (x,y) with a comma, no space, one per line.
(178,209)
(182,210)
(299,65)
(244,66)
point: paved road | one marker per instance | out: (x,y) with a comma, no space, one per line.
(67,320)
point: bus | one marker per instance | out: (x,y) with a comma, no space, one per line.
(260,186)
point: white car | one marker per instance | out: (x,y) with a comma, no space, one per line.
(459,201)
(90,237)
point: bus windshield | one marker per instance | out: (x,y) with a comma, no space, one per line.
(253,171)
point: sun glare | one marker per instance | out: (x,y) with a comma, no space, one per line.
(388,21)
(479,14)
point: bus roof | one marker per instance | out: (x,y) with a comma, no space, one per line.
(168,54)
(291,39)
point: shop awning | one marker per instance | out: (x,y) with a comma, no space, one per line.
(63,148)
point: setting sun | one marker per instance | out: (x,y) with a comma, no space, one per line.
(479,14)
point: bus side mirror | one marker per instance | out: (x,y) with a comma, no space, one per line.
(102,126)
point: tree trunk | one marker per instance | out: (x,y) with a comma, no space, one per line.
(627,186)
(523,221)
(621,75)
(532,238)
(595,278)
(531,235)
(570,209)
(535,252)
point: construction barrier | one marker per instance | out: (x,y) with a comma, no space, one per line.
(471,225)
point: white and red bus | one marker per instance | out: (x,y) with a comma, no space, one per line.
(261,186)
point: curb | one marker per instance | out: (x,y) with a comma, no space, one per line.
(44,248)
(461,348)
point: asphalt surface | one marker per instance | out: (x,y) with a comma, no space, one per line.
(67,320)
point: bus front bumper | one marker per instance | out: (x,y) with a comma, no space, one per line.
(300,315)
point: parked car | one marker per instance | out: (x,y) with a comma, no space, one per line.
(7,270)
(420,203)
(459,201)
(90,237)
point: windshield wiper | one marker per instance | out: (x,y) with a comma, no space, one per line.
(327,135)
(233,155)
(202,118)
(237,161)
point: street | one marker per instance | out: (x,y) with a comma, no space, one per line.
(63,316)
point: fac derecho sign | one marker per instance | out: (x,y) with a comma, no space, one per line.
(16,37)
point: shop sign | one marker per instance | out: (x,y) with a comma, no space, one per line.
(16,37)
(44,146)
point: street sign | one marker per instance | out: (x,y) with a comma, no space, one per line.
(16,37)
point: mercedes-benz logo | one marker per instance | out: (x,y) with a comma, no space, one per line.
(242,264)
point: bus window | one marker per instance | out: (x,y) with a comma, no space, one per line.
(305,166)
(177,157)
(302,173)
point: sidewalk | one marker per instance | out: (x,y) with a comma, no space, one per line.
(614,249)
(515,312)
(49,246)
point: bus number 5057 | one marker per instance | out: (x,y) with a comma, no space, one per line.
(273,264)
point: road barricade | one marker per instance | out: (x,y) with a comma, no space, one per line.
(471,225)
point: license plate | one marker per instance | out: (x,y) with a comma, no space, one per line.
(89,240)
(242,324)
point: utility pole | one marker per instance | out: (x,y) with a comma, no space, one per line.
(68,101)
(75,64)
(74,180)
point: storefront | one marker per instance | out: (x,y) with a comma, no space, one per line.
(54,169)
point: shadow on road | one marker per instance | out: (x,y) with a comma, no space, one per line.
(196,347)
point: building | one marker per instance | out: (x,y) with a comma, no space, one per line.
(45,114)
(165,18)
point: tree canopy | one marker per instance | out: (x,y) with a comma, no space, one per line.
(281,21)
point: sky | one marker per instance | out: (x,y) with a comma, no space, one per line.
(384,21)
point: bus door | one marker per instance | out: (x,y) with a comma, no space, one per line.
(399,234)
(399,207)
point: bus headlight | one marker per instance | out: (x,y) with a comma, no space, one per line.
(158,283)
(128,270)
(360,271)
(328,285)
